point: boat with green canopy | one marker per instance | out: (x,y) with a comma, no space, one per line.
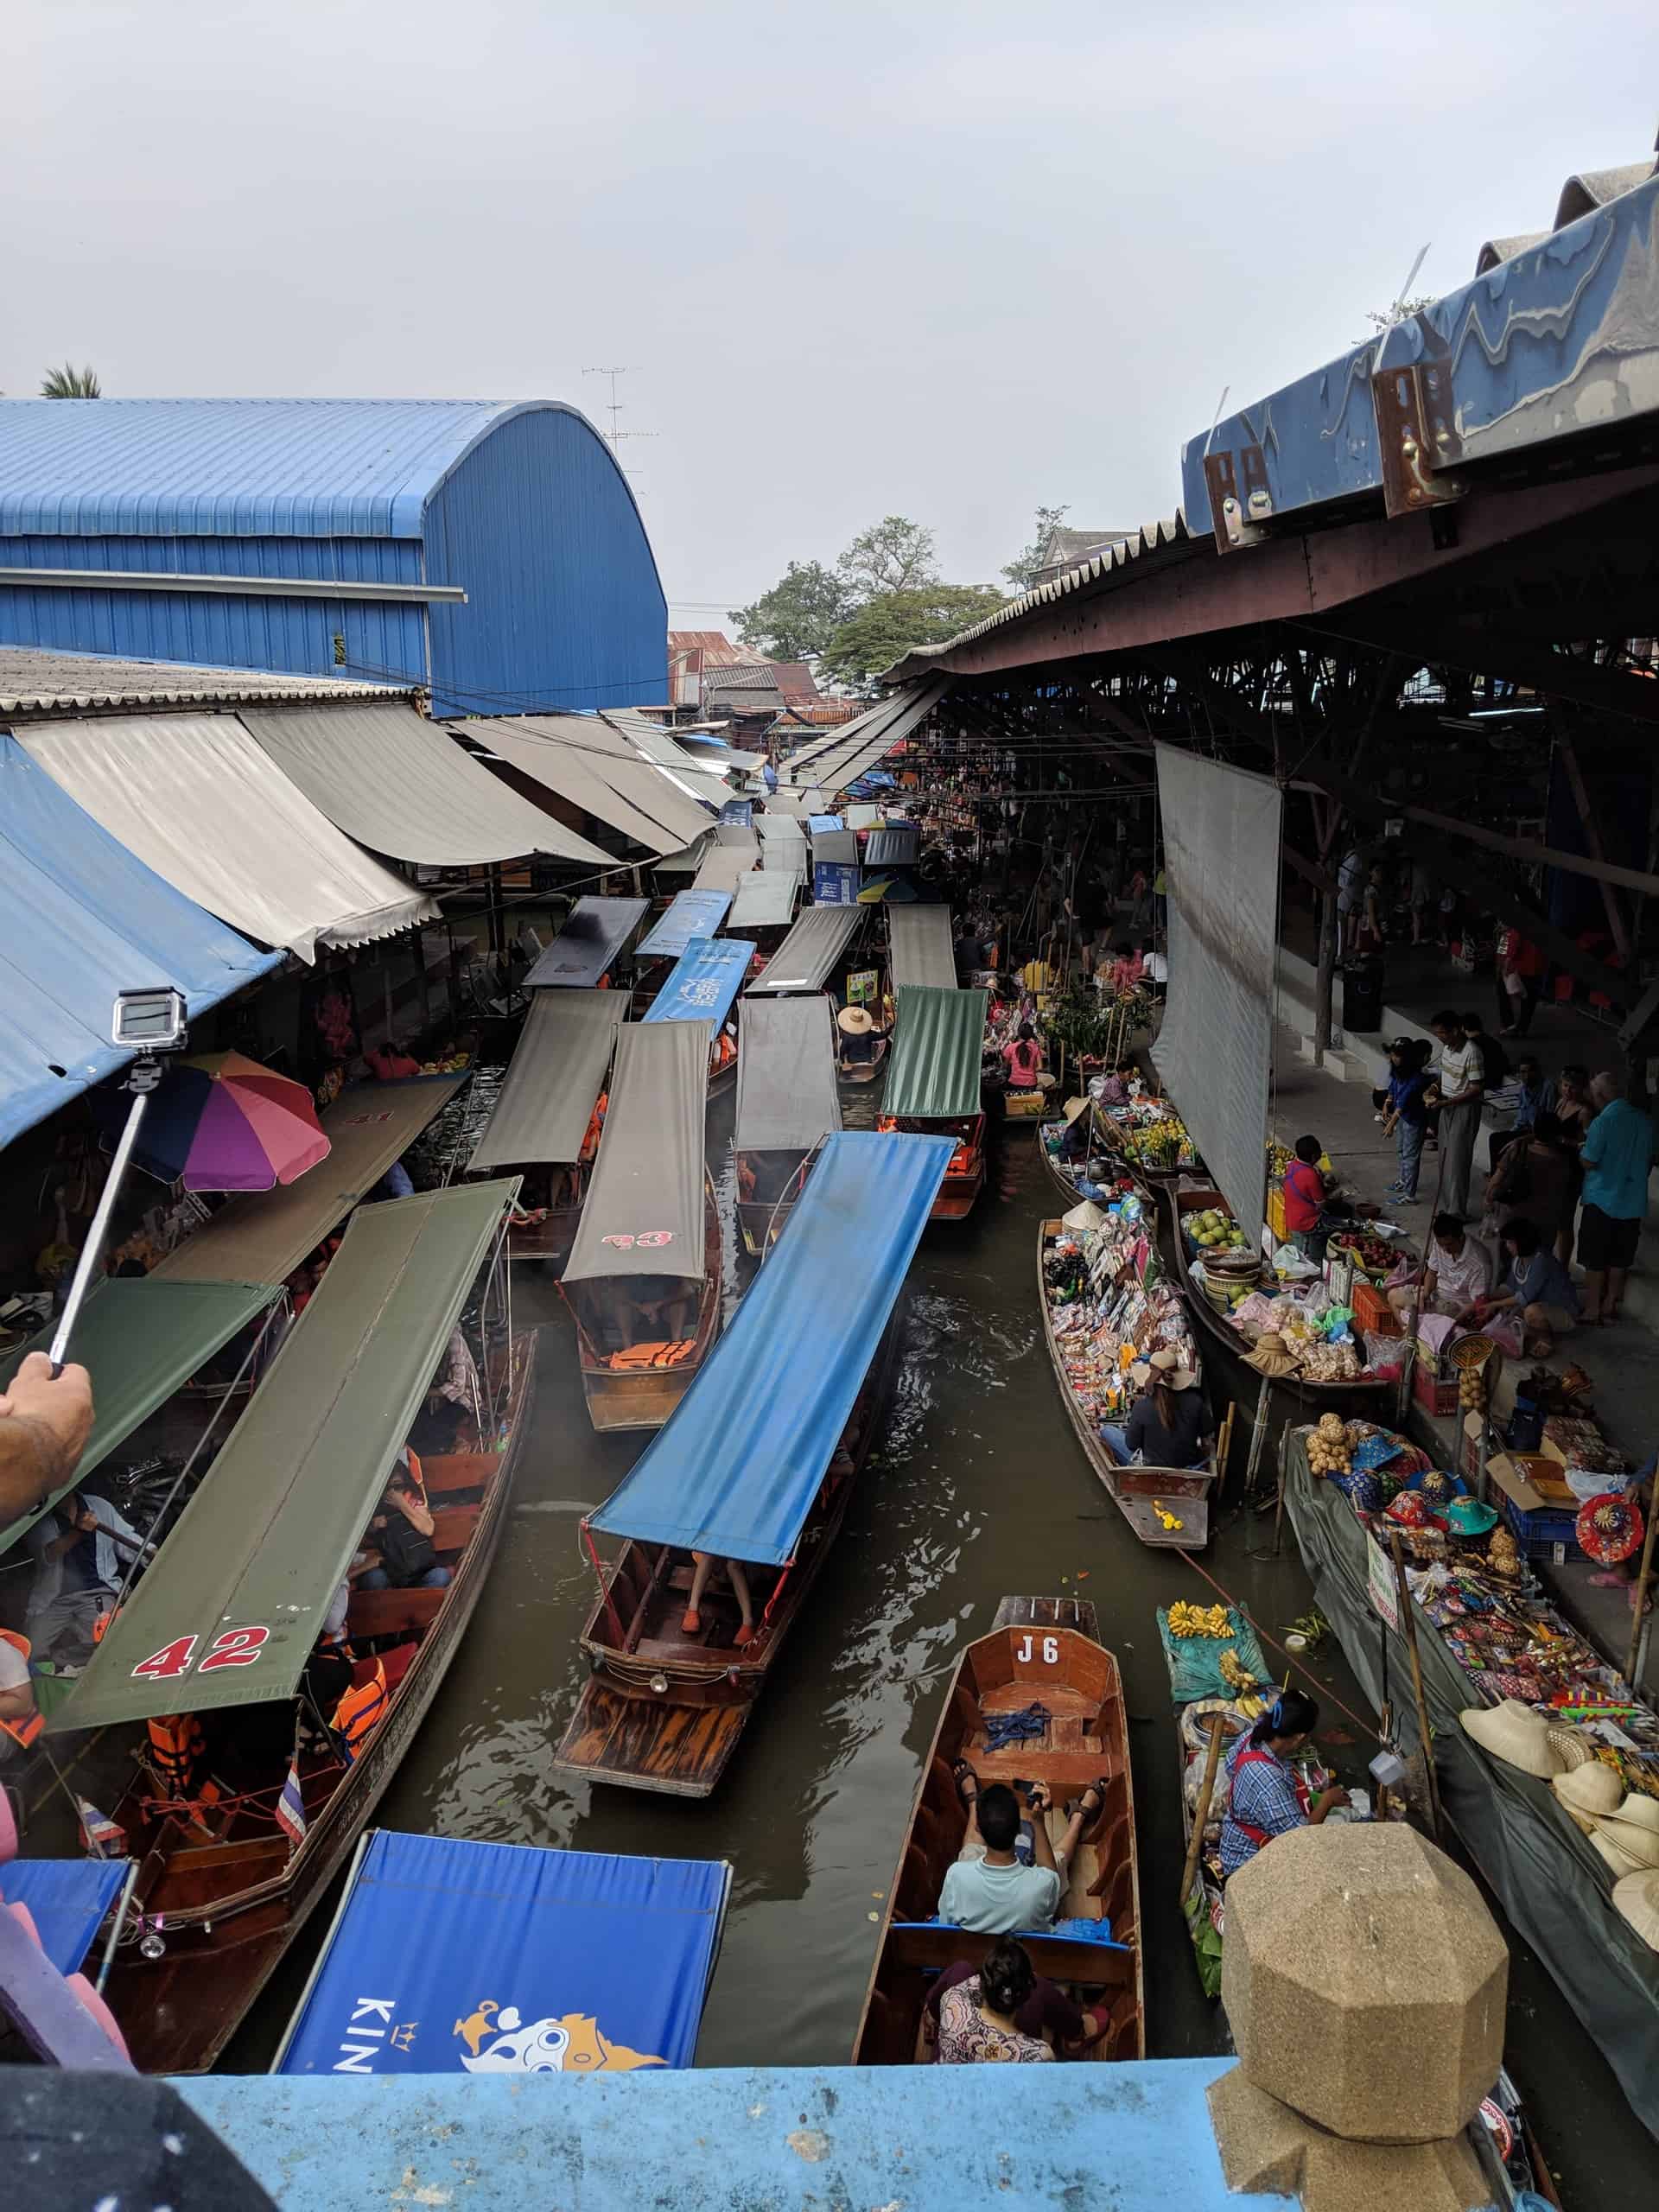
(250,1795)
(933,1083)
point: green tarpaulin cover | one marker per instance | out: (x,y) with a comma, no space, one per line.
(935,1070)
(229,1611)
(140,1340)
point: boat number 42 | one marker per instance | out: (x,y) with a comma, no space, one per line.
(1051,1653)
(236,1647)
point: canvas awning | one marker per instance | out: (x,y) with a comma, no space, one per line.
(863,744)
(823,825)
(938,1038)
(919,939)
(262,1236)
(806,955)
(584,760)
(81,919)
(649,742)
(838,847)
(703,981)
(141,1337)
(723,867)
(67,1899)
(869,724)
(765,898)
(556,1073)
(786,1094)
(736,814)
(595,931)
(689,913)
(784,860)
(779,828)
(245,1577)
(627,1944)
(737,1470)
(402,786)
(899,845)
(644,1210)
(199,802)
(860,815)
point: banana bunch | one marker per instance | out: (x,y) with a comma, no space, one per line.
(1199,1620)
(1235,1673)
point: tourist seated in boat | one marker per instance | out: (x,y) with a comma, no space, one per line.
(328,1673)
(1262,1802)
(1169,1424)
(401,1556)
(1023,1059)
(78,1573)
(452,1399)
(20,1717)
(45,1420)
(1064,2027)
(703,1564)
(979,2016)
(990,1890)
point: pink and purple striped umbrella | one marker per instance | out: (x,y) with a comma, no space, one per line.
(221,1121)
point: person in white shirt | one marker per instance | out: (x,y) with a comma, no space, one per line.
(1461,1083)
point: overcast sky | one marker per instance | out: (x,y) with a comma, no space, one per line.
(946,261)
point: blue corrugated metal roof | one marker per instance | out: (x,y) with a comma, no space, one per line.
(235,467)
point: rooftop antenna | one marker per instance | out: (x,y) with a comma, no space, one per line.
(613,408)
(1404,293)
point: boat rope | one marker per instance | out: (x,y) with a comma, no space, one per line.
(1369,1728)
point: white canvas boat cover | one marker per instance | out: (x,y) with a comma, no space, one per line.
(809,952)
(723,867)
(557,1072)
(564,764)
(644,1214)
(765,898)
(786,1094)
(199,802)
(919,937)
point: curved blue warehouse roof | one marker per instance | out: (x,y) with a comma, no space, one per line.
(238,468)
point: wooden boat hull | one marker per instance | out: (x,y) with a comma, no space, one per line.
(232,1910)
(549,1239)
(645,1397)
(1183,1492)
(1087,1737)
(720,1080)
(1063,1182)
(864,1070)
(959,1194)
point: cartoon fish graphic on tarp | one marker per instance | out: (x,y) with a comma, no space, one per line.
(499,2042)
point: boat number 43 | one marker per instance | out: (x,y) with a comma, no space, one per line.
(650,1237)
(236,1647)
(1051,1652)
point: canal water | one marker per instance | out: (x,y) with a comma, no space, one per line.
(978,1490)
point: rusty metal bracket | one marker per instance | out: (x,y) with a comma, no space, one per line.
(1237,510)
(1415,436)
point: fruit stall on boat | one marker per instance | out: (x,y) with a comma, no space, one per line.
(787,1105)
(757,1467)
(702,986)
(245,1803)
(643,1278)
(1106,1309)
(547,1120)
(933,1085)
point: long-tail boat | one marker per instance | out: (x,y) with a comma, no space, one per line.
(643,1278)
(934,1085)
(786,1105)
(543,1126)
(1040,1652)
(757,1468)
(702,986)
(218,1635)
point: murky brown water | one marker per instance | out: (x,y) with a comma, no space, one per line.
(979,1489)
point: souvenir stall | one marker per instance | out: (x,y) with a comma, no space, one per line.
(1547,1761)
(1297,1324)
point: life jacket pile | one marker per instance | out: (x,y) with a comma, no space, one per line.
(636,1359)
(176,1743)
(26,1730)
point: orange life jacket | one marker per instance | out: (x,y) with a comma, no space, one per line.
(725,1050)
(595,1123)
(176,1745)
(359,1711)
(24,1731)
(963,1160)
(637,1357)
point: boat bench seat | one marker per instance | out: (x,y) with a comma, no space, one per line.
(1095,1966)
(397,1660)
(448,1471)
(452,1526)
(391,1613)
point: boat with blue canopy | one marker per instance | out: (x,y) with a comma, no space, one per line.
(726,1518)
(702,986)
(502,1958)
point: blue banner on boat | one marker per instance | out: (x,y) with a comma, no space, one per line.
(67,1899)
(704,981)
(741,810)
(497,1958)
(818,824)
(691,914)
(737,1470)
(834,883)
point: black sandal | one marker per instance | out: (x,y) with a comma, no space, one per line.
(961,1771)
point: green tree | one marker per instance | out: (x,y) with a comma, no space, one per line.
(71,383)
(798,616)
(875,635)
(893,555)
(1021,571)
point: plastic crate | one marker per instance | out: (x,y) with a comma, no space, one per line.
(1435,1393)
(1373,1312)
(1550,1533)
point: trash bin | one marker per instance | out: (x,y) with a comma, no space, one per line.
(1362,995)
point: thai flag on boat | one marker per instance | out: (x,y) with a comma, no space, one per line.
(290,1808)
(100,1834)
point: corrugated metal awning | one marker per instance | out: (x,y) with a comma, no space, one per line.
(919,937)
(648,1180)
(786,1095)
(939,1039)
(557,1072)
(899,845)
(765,898)
(400,785)
(804,959)
(205,806)
(588,752)
(595,931)
(572,774)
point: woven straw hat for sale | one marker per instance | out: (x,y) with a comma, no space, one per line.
(1611,1852)
(1515,1734)
(1271,1356)
(1635,1828)
(1587,1791)
(1637,1897)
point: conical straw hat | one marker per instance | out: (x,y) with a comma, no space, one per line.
(1608,1847)
(1637,1896)
(1087,1216)
(1515,1734)
(1594,1788)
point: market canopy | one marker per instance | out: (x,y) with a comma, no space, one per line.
(689,913)
(938,1036)
(703,981)
(737,1470)
(582,759)
(837,846)
(786,1094)
(899,845)
(651,741)
(863,726)
(723,867)
(556,1073)
(862,815)
(228,1611)
(81,919)
(779,828)
(919,939)
(199,802)
(559,1956)
(805,958)
(765,899)
(644,1213)
(141,1337)
(595,931)
(67,1899)
(737,813)
(862,745)
(825,825)
(402,786)
(262,1236)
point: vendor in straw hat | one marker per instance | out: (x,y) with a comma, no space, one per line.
(1169,1425)
(858,1032)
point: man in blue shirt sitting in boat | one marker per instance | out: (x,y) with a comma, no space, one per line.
(990,1890)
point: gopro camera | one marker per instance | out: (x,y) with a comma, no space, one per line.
(148,1021)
